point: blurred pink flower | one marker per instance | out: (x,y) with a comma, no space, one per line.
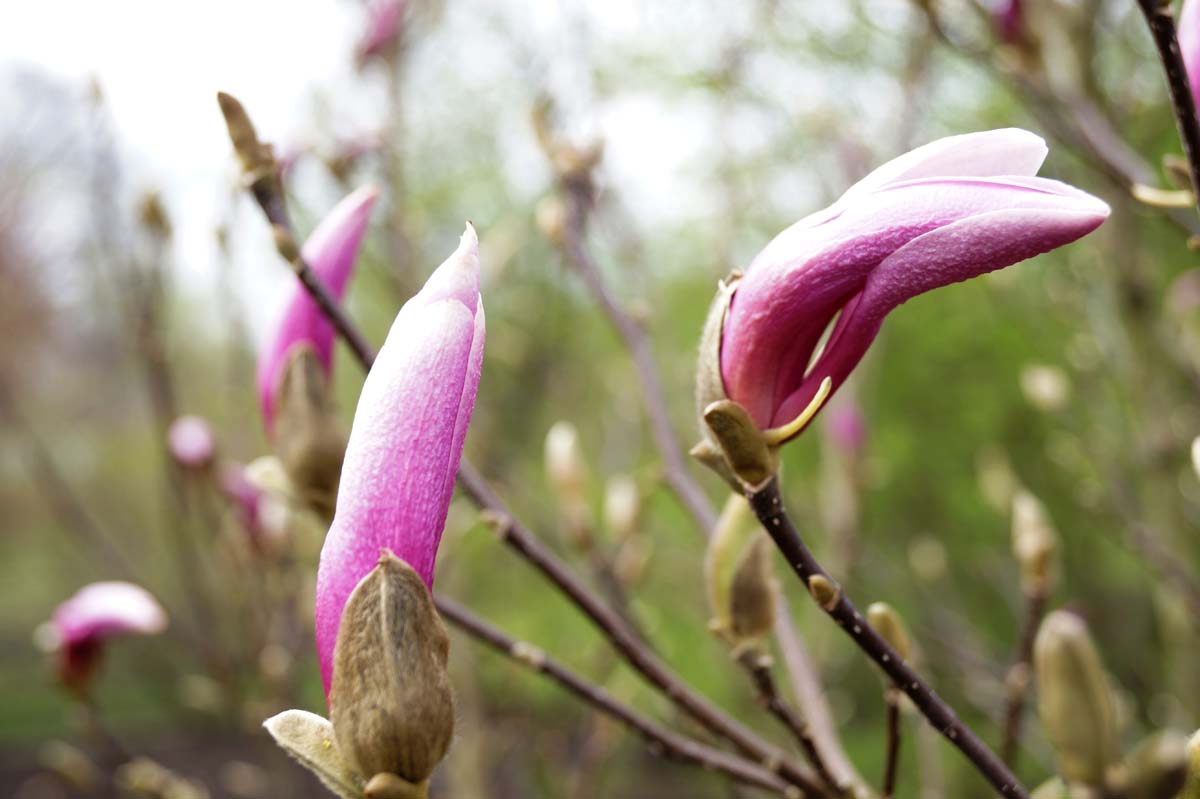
(407,440)
(847,427)
(191,441)
(1009,19)
(97,612)
(1189,44)
(384,20)
(331,251)
(948,211)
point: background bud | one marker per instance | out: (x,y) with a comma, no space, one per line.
(1034,542)
(1191,785)
(309,437)
(622,506)
(1156,767)
(568,478)
(752,592)
(733,533)
(1075,701)
(887,622)
(390,702)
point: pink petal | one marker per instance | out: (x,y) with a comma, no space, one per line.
(406,441)
(806,275)
(105,609)
(950,254)
(1189,44)
(331,251)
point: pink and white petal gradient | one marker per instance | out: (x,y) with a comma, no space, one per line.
(331,251)
(106,609)
(943,213)
(406,441)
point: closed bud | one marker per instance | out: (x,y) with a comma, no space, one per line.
(1034,542)
(622,506)
(567,475)
(731,537)
(1075,700)
(1156,768)
(1047,388)
(309,437)
(551,217)
(1191,785)
(72,765)
(752,593)
(258,163)
(887,622)
(390,703)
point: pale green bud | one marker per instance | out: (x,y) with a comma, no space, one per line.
(1075,700)
(1034,542)
(887,622)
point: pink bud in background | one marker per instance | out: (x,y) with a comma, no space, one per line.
(1189,44)
(847,428)
(191,441)
(407,440)
(943,213)
(331,251)
(384,19)
(97,612)
(1009,20)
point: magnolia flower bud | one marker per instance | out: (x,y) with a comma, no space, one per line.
(731,537)
(564,465)
(390,703)
(1156,768)
(752,593)
(551,217)
(887,622)
(622,506)
(309,437)
(1047,388)
(568,478)
(191,442)
(1075,700)
(1034,542)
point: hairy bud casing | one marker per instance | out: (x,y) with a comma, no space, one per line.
(390,703)
(309,438)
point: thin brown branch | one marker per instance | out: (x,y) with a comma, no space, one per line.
(767,503)
(758,666)
(1161,21)
(1019,675)
(675,466)
(892,755)
(661,740)
(623,639)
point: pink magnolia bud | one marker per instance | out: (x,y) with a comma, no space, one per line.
(407,440)
(97,612)
(191,442)
(1189,44)
(331,251)
(847,428)
(943,213)
(384,19)
(1009,21)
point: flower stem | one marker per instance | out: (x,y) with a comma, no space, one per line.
(892,761)
(1019,676)
(768,506)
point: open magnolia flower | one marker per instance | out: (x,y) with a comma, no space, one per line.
(97,612)
(943,213)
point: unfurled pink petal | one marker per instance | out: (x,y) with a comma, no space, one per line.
(102,610)
(407,439)
(191,441)
(331,251)
(930,218)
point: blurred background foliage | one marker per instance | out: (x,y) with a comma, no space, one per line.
(1074,375)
